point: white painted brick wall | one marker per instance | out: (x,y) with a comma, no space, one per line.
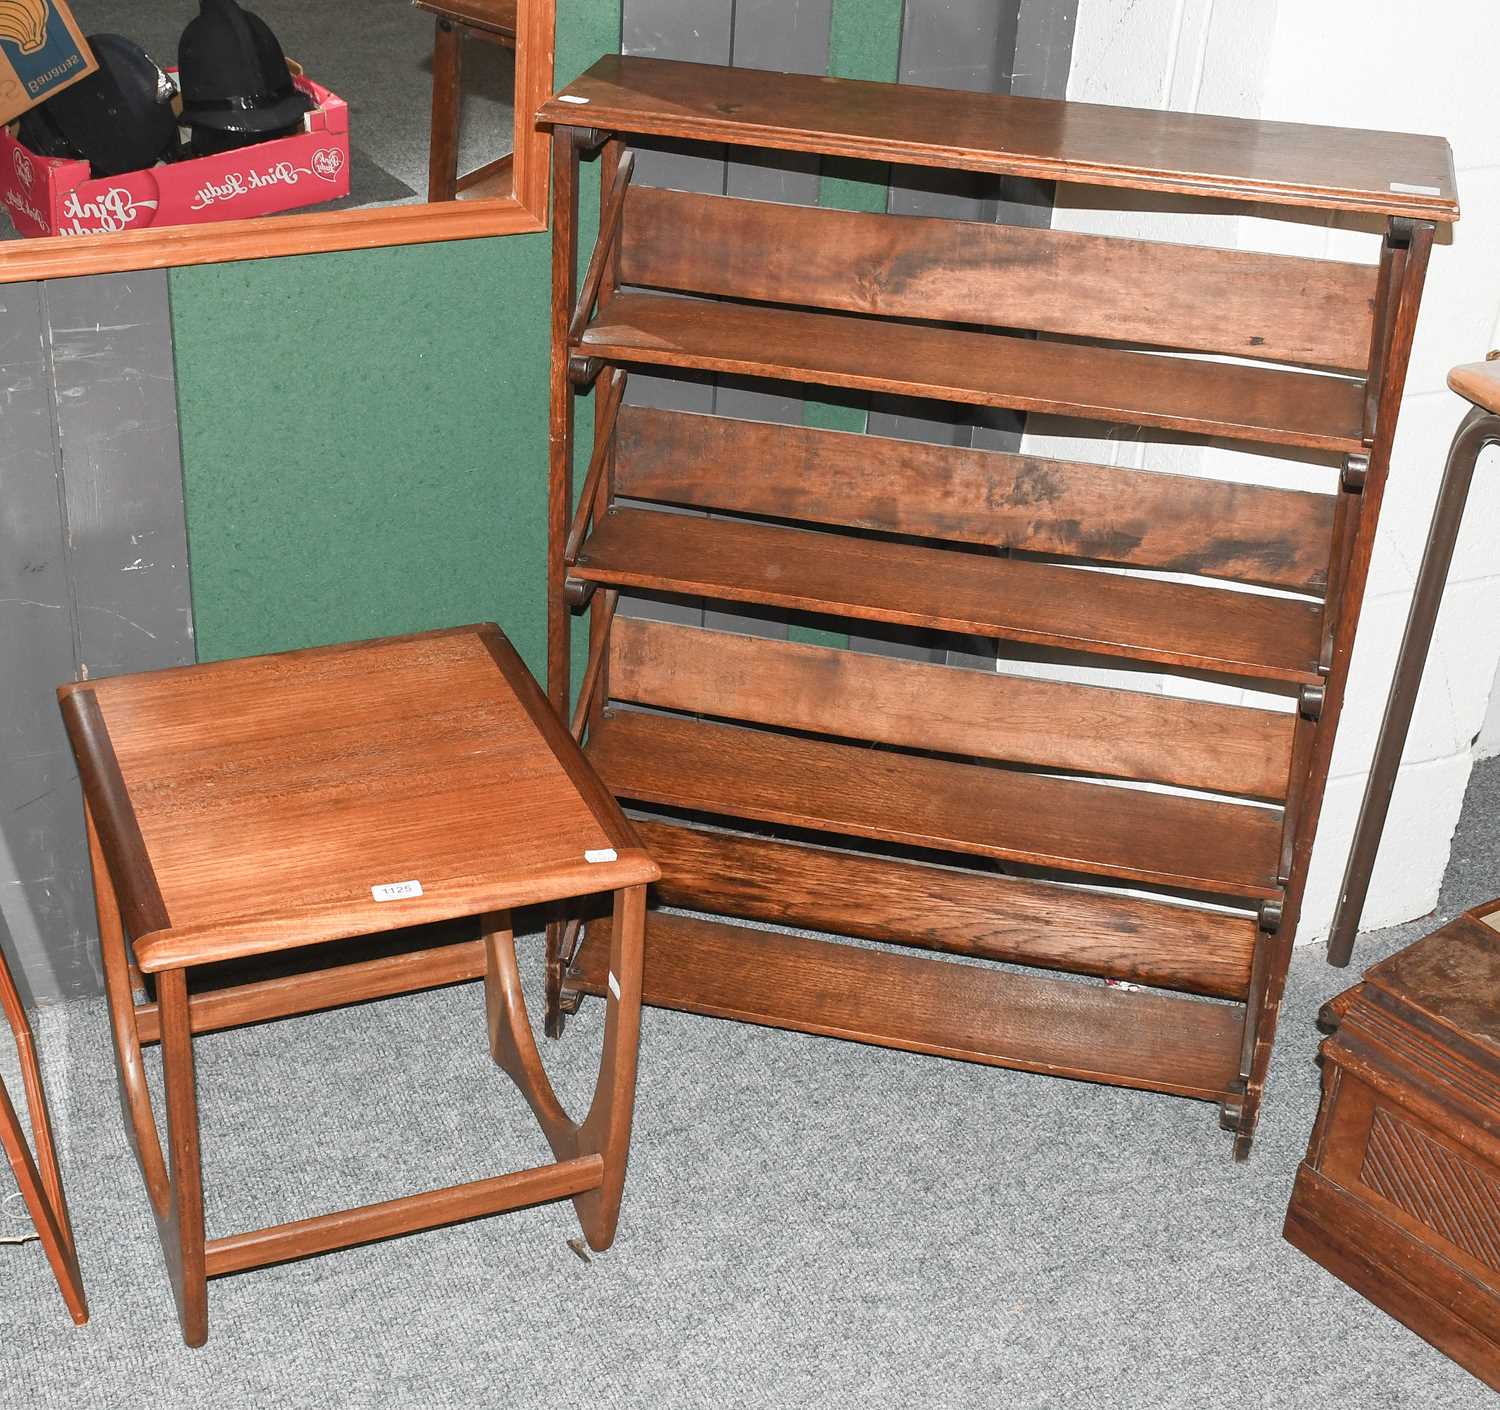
(1355,63)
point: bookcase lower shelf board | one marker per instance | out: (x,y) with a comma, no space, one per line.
(1091,1031)
(1035,833)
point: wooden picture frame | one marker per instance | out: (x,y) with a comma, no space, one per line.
(523,212)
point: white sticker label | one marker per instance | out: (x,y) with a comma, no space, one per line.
(571,98)
(1407,189)
(614,984)
(601,854)
(396,891)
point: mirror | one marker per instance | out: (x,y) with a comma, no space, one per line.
(423,118)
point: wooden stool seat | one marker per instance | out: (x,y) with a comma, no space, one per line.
(261,805)
(491,20)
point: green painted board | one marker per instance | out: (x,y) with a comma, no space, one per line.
(364,434)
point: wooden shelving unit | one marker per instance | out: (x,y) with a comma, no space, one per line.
(999,817)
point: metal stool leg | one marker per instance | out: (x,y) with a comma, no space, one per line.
(1479,429)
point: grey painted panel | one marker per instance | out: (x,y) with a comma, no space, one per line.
(20,323)
(36,649)
(111,343)
(961,44)
(36,615)
(1044,48)
(46,900)
(697,31)
(784,36)
(93,578)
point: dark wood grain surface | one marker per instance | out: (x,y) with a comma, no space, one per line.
(1071,509)
(1193,843)
(932,1006)
(319,775)
(1272,307)
(1389,173)
(1263,404)
(1131,734)
(1206,628)
(964,912)
(1452,978)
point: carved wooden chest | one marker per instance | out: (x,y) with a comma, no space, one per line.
(1399,1194)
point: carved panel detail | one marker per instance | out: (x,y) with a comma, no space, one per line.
(1452,1196)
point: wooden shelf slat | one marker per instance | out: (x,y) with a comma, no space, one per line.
(1195,844)
(1089,1031)
(1144,293)
(964,912)
(1142,735)
(1240,159)
(990,498)
(1261,404)
(1185,625)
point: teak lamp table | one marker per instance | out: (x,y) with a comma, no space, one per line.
(254,806)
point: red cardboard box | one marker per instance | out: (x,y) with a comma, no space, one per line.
(46,196)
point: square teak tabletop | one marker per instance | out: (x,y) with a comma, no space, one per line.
(275,802)
(252,805)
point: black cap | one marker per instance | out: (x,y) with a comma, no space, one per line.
(120,117)
(234,77)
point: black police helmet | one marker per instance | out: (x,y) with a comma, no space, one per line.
(119,118)
(236,88)
(39,134)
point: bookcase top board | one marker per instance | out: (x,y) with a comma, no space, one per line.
(1240,159)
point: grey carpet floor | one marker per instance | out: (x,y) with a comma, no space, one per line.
(806,1223)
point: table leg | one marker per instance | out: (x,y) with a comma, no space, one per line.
(49,1216)
(189,1275)
(605,1131)
(447,96)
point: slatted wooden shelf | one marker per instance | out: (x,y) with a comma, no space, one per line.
(1141,735)
(1260,404)
(1073,509)
(1088,1031)
(1198,628)
(1275,308)
(963,912)
(1191,843)
(990,816)
(1389,173)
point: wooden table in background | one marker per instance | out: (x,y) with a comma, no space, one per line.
(457,20)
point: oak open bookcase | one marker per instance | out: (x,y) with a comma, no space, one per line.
(935,808)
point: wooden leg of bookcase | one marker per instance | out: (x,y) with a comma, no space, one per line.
(1404,269)
(560,468)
